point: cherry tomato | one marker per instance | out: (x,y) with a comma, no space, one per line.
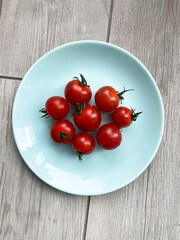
(56,108)
(123,116)
(87,118)
(107,98)
(62,131)
(109,136)
(77,91)
(83,144)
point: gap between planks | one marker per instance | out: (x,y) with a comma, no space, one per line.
(146,202)
(110,20)
(11,78)
(0,7)
(86,218)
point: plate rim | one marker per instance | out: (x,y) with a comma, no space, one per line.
(153,82)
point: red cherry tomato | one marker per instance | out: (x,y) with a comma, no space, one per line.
(77,91)
(123,116)
(107,98)
(87,118)
(83,144)
(56,108)
(109,136)
(62,131)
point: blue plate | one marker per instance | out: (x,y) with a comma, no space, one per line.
(103,171)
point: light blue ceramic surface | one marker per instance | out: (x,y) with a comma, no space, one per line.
(103,171)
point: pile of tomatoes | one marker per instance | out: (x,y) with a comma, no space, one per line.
(87,117)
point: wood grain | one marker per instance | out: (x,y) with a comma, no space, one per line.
(28,29)
(30,209)
(149,208)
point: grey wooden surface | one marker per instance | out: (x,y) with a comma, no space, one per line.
(149,207)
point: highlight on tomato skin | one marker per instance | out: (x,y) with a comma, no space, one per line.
(62,132)
(87,117)
(123,117)
(107,98)
(78,91)
(83,144)
(109,136)
(56,107)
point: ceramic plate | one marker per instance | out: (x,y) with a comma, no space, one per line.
(103,171)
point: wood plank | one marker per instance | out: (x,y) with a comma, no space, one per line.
(149,208)
(30,209)
(28,29)
(119,215)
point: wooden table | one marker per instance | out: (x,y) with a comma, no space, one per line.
(149,207)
